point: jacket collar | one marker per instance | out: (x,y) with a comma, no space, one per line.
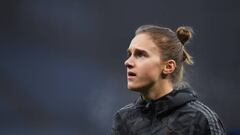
(167,103)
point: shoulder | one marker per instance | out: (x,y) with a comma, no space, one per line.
(198,117)
(119,122)
(206,112)
(127,107)
(206,117)
(125,110)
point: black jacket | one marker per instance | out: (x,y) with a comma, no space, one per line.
(177,113)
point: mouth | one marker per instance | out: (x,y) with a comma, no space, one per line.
(131,75)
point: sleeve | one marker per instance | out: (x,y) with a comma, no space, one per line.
(118,126)
(207,125)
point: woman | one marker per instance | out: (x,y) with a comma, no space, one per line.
(156,57)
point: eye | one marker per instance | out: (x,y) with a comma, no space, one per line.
(140,54)
(129,54)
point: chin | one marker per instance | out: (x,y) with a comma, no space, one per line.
(139,87)
(134,88)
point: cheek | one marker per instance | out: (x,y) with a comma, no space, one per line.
(151,72)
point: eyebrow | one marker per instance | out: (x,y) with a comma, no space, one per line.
(137,49)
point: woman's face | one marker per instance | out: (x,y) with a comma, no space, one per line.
(144,65)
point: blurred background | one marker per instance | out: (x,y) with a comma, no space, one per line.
(62,72)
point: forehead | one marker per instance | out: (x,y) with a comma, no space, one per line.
(143,42)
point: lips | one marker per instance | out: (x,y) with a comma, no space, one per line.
(131,74)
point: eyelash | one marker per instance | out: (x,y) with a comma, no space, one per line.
(128,55)
(140,54)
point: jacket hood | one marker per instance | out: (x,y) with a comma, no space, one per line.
(167,103)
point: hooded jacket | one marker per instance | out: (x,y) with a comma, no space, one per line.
(177,113)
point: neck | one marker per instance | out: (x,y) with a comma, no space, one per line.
(157,90)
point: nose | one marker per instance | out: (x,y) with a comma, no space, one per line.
(129,63)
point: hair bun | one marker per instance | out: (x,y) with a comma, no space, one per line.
(184,33)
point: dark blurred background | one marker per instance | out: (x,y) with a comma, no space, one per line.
(62,71)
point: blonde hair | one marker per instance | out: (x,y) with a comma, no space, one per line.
(172,46)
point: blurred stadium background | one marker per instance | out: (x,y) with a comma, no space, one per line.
(62,72)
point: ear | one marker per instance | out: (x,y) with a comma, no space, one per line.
(169,67)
